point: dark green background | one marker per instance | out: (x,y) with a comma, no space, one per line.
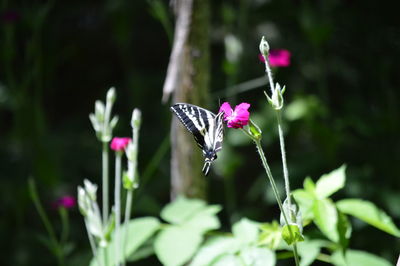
(58,57)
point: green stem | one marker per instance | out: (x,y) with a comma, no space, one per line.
(64,224)
(276,194)
(57,250)
(105,182)
(117,204)
(128,209)
(284,164)
(93,245)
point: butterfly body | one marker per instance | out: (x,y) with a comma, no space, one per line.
(206,127)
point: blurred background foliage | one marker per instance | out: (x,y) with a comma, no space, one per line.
(58,57)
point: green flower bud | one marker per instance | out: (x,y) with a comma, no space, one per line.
(111,95)
(264,47)
(136,118)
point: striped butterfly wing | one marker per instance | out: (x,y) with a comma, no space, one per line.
(206,127)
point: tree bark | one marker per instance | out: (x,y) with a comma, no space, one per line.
(191,82)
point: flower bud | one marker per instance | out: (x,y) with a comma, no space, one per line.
(264,47)
(136,118)
(99,110)
(111,95)
(91,189)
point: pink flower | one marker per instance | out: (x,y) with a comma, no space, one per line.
(67,202)
(279,58)
(236,118)
(119,144)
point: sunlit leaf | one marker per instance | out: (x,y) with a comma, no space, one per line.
(369,213)
(326,217)
(257,256)
(358,257)
(175,245)
(214,248)
(331,182)
(308,251)
(246,230)
(181,210)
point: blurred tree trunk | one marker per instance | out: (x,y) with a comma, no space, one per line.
(190,85)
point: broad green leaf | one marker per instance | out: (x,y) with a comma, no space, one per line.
(369,213)
(229,259)
(358,257)
(331,182)
(256,256)
(292,234)
(138,232)
(308,251)
(326,217)
(246,231)
(204,220)
(309,185)
(271,235)
(175,245)
(306,203)
(181,210)
(215,248)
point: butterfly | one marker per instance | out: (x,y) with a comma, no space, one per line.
(207,129)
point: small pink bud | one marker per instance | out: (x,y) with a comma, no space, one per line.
(119,144)
(67,202)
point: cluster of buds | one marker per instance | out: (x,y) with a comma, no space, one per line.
(87,202)
(101,118)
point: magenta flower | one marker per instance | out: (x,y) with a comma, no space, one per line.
(67,202)
(236,118)
(119,144)
(279,58)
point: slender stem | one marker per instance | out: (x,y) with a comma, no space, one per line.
(93,245)
(276,194)
(105,182)
(49,228)
(284,164)
(64,224)
(128,209)
(269,74)
(117,204)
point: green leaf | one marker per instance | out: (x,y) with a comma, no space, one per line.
(369,213)
(309,185)
(205,220)
(326,218)
(215,248)
(138,232)
(229,259)
(292,234)
(330,183)
(358,257)
(246,231)
(181,210)
(308,251)
(257,256)
(271,235)
(306,203)
(176,245)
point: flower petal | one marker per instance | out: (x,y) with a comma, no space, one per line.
(226,108)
